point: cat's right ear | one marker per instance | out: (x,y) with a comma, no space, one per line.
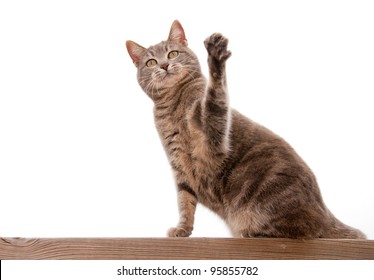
(135,51)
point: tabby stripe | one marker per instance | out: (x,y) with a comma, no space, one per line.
(171,135)
(187,188)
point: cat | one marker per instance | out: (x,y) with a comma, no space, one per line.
(242,171)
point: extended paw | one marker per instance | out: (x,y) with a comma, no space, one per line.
(216,46)
(179,232)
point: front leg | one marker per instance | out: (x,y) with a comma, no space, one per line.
(215,106)
(187,201)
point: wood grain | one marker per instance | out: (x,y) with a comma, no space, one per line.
(182,248)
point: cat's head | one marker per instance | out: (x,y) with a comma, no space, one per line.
(165,65)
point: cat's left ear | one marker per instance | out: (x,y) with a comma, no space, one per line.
(177,33)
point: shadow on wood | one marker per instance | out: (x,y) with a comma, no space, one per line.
(182,248)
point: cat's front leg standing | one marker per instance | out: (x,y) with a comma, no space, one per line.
(187,201)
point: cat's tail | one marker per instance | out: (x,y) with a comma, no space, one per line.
(339,230)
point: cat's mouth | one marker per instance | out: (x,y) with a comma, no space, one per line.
(172,71)
(168,75)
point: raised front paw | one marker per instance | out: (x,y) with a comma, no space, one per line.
(216,45)
(179,232)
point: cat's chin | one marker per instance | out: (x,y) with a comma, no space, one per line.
(169,76)
(169,80)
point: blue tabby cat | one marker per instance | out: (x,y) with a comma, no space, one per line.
(239,169)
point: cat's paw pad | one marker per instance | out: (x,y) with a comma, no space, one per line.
(216,45)
(179,232)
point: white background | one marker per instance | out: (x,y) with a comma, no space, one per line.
(79,154)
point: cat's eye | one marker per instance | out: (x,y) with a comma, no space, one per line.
(151,63)
(173,54)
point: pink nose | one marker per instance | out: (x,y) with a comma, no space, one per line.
(165,66)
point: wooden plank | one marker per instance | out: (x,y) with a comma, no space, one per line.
(183,248)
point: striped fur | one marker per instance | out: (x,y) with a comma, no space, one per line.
(242,171)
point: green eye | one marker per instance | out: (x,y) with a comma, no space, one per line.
(173,54)
(151,63)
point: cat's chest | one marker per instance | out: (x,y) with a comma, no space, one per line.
(179,143)
(191,159)
(187,151)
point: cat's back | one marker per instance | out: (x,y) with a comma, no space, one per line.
(254,142)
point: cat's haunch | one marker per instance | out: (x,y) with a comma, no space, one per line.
(242,171)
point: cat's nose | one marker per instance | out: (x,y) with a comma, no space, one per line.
(165,66)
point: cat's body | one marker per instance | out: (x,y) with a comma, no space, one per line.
(240,170)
